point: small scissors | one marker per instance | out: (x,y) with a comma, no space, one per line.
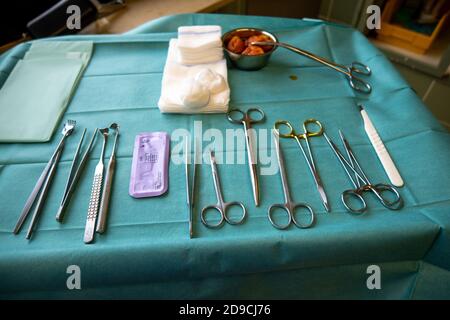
(221,205)
(359,68)
(361,183)
(291,134)
(246,119)
(288,206)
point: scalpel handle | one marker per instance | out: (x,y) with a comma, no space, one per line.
(382,153)
(93,205)
(106,195)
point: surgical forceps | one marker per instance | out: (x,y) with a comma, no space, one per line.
(291,134)
(361,182)
(246,119)
(42,186)
(288,206)
(359,68)
(74,174)
(190,183)
(221,206)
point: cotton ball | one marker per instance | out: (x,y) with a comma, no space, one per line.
(212,80)
(194,94)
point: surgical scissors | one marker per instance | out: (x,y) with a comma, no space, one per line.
(245,118)
(359,68)
(291,134)
(288,206)
(221,206)
(361,182)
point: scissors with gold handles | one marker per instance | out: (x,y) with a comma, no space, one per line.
(286,130)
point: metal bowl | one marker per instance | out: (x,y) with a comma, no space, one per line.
(244,62)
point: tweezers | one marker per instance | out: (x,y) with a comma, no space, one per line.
(74,174)
(190,184)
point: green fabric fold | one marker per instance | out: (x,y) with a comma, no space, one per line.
(39,88)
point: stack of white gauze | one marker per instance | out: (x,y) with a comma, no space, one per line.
(199,44)
(195,74)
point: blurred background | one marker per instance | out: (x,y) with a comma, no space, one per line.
(414,34)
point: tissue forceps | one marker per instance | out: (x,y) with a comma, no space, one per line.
(280,128)
(74,174)
(246,119)
(44,182)
(288,206)
(190,184)
(358,68)
(221,206)
(361,182)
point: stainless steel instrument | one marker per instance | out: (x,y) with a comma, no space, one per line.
(361,182)
(351,72)
(285,130)
(190,184)
(74,175)
(221,206)
(106,194)
(44,182)
(95,193)
(289,206)
(246,119)
(42,196)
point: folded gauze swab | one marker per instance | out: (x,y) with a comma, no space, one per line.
(194,38)
(199,44)
(201,88)
(208,56)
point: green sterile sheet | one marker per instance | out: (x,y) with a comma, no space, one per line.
(146,252)
(38,89)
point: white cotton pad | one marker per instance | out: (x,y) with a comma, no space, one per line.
(194,94)
(212,80)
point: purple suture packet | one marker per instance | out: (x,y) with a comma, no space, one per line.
(150,167)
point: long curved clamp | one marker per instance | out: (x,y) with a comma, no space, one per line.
(352,72)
